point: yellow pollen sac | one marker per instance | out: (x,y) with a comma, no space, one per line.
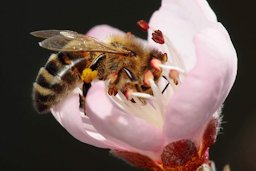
(88,75)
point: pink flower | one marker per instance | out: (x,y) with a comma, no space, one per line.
(173,130)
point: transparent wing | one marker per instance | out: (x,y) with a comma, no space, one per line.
(49,33)
(58,40)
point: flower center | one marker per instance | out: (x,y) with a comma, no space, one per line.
(152,107)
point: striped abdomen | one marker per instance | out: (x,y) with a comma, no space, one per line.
(56,79)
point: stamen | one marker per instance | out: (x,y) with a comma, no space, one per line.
(171,68)
(132,102)
(165,57)
(149,112)
(146,112)
(155,64)
(143,25)
(162,39)
(158,37)
(174,75)
(143,95)
(148,107)
(130,108)
(117,100)
(157,94)
(147,76)
(138,101)
(128,94)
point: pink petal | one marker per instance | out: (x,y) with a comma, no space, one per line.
(103,32)
(68,115)
(180,21)
(206,9)
(119,126)
(205,88)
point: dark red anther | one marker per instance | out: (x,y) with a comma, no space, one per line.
(143,25)
(158,37)
(164,57)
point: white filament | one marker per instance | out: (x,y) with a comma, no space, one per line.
(171,68)
(142,95)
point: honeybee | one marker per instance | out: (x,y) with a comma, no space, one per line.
(123,61)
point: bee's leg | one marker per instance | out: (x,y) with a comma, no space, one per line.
(81,103)
(82,98)
(166,84)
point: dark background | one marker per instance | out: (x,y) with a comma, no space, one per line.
(29,141)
